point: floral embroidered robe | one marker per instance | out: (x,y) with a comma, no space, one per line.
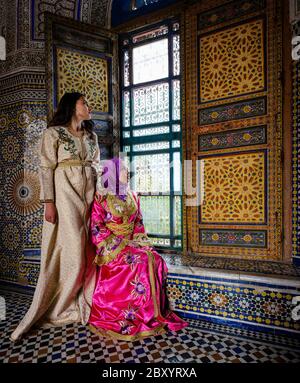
(67,275)
(129,301)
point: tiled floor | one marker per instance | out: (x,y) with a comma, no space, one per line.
(200,342)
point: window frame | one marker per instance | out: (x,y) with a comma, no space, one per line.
(169,137)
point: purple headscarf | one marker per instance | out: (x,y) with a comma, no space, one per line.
(110,178)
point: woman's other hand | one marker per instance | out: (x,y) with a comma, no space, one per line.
(50,212)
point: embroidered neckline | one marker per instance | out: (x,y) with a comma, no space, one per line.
(69,143)
(127,207)
(74,135)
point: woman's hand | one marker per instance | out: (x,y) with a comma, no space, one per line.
(50,212)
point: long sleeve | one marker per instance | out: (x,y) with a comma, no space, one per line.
(48,162)
(108,245)
(139,234)
(96,164)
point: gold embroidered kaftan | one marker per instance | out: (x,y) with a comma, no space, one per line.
(67,276)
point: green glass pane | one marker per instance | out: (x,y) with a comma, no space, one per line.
(176,100)
(151,173)
(160,241)
(126,109)
(150,131)
(177,215)
(150,61)
(176,172)
(156,214)
(176,55)
(126,68)
(151,104)
(151,146)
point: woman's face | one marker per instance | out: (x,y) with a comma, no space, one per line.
(83,112)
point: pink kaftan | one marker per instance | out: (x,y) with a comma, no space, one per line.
(129,300)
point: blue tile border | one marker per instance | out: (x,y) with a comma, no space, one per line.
(233,281)
(237,324)
(262,306)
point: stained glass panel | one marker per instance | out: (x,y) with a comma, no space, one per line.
(160,31)
(160,241)
(176,56)
(151,146)
(150,61)
(126,68)
(126,109)
(177,215)
(176,172)
(150,131)
(176,100)
(152,173)
(151,104)
(178,243)
(176,128)
(157,219)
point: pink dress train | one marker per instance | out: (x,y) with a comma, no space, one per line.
(129,301)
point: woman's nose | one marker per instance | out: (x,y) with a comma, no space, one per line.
(90,110)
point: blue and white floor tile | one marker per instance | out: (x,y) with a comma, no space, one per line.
(200,342)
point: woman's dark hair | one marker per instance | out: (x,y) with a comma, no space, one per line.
(65,111)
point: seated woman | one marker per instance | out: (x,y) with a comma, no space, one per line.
(129,300)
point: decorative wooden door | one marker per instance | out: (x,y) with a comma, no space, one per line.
(234,122)
(83,58)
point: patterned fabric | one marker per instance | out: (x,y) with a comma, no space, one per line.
(129,300)
(58,146)
(67,275)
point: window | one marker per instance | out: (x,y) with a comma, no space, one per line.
(151,126)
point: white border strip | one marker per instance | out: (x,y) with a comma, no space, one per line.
(240,277)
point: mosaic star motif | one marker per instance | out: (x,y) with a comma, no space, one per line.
(239,301)
(10,149)
(232,62)
(10,236)
(234,188)
(23,192)
(83,73)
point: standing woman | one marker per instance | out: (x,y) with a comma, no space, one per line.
(70,156)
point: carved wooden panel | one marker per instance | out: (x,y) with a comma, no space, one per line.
(233,128)
(84,58)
